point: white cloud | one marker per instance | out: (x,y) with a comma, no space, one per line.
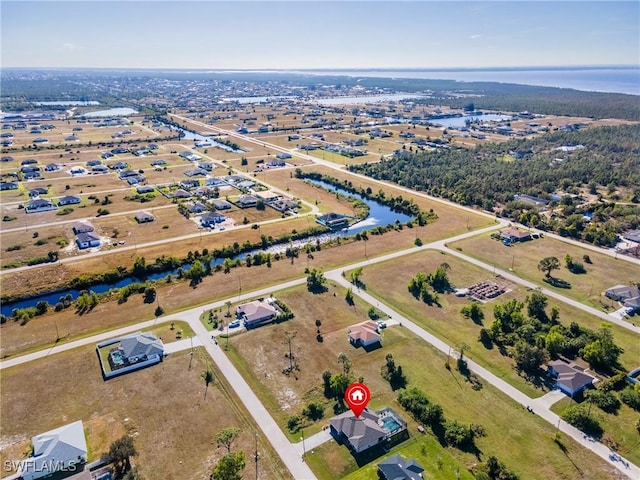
(473,37)
(72,47)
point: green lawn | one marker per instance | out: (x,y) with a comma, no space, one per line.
(438,463)
(512,432)
(619,427)
(447,323)
(604,272)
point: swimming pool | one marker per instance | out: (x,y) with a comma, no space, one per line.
(390,424)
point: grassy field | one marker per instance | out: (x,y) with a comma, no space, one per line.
(618,428)
(447,323)
(285,395)
(438,463)
(604,272)
(163,407)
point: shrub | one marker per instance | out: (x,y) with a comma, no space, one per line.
(578,416)
(64,211)
(313,411)
(631,396)
(293,423)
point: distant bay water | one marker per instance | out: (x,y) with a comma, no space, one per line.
(605,79)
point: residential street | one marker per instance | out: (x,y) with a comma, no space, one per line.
(539,405)
(291,453)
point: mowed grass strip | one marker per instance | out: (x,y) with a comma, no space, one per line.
(448,323)
(163,407)
(604,272)
(512,432)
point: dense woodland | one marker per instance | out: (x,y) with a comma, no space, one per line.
(490,175)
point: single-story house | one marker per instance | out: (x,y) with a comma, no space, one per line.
(221,204)
(620,293)
(99,169)
(197,208)
(36,192)
(256,313)
(284,204)
(82,227)
(119,166)
(87,240)
(246,201)
(181,193)
(370,429)
(276,163)
(51,167)
(632,235)
(69,200)
(145,189)
(190,183)
(267,196)
(570,378)
(214,182)
(628,296)
(195,172)
(246,184)
(140,346)
(211,218)
(333,220)
(40,205)
(93,163)
(144,217)
(364,334)
(9,186)
(515,235)
(397,468)
(531,200)
(61,449)
(158,163)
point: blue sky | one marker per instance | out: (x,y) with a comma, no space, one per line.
(317,34)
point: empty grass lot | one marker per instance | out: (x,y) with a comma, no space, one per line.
(604,272)
(512,432)
(619,427)
(447,323)
(163,407)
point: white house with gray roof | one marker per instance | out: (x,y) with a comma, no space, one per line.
(256,313)
(61,449)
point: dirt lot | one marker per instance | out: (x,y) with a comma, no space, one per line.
(163,407)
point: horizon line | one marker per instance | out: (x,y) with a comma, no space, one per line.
(339,69)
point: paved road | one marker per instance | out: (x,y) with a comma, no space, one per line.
(440,245)
(599,449)
(314,210)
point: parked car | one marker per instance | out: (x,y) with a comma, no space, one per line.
(234,324)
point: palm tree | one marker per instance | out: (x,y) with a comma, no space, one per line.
(207,376)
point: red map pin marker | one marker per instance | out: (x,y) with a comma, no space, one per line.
(357,396)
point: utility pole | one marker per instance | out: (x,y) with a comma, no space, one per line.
(191,353)
(256,456)
(304,450)
(290,336)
